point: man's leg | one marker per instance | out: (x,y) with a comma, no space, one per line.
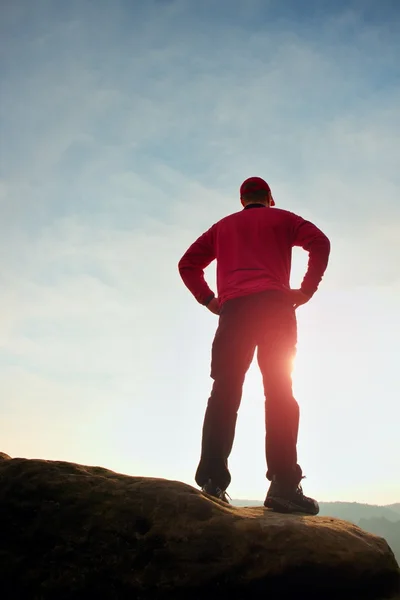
(276,351)
(232,352)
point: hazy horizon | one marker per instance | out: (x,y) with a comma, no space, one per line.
(126,130)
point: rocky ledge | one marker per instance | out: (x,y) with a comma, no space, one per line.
(75,532)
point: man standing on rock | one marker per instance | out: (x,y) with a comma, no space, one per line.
(256,309)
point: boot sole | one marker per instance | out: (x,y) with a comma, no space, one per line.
(283,505)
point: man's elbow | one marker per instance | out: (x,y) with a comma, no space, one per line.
(185,268)
(323,248)
(327,244)
(182,264)
(323,242)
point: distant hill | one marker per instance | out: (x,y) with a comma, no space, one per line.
(395,507)
(379,520)
(386,529)
(353,511)
(247,502)
(349,511)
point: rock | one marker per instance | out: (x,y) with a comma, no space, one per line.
(4,456)
(75,532)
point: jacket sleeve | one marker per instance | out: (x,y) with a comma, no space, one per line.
(192,264)
(310,238)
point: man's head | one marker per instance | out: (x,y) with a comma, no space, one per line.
(255,190)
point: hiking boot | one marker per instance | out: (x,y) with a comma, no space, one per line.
(286,498)
(212,490)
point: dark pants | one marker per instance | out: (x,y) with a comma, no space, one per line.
(266,321)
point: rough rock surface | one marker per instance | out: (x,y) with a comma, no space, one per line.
(70,531)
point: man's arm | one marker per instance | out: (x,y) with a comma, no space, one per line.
(192,264)
(310,238)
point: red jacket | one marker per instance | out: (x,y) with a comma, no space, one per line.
(253,249)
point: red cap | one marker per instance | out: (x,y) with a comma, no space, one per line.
(255,184)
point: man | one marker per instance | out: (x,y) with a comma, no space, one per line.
(256,309)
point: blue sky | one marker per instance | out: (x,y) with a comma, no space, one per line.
(126,130)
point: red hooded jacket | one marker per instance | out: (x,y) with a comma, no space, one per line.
(253,249)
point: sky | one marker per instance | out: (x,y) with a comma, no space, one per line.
(126,129)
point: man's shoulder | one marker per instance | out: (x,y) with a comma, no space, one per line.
(286,213)
(275,212)
(225,219)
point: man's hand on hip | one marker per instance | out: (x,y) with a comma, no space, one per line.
(213,306)
(298,297)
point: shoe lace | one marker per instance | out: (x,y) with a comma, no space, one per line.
(299,488)
(223,493)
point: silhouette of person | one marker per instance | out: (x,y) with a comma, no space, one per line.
(256,309)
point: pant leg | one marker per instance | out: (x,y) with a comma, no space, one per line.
(232,352)
(276,352)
